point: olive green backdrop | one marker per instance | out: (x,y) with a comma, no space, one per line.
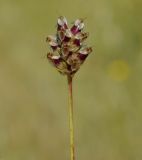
(107,89)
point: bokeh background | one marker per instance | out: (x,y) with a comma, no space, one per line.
(107,89)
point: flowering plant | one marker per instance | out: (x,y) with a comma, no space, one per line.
(68,54)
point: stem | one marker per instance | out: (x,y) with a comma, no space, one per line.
(72,145)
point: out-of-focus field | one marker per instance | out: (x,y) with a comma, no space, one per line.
(107,89)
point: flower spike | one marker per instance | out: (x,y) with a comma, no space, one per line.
(68,48)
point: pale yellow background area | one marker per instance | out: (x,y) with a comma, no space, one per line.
(107,89)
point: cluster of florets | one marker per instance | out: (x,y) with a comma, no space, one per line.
(68,50)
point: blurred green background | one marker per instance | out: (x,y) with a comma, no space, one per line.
(107,89)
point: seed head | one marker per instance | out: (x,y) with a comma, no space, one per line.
(68,49)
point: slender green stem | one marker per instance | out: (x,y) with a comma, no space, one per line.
(72,145)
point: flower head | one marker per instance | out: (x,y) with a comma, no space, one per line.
(68,49)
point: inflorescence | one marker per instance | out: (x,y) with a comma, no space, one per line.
(68,48)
